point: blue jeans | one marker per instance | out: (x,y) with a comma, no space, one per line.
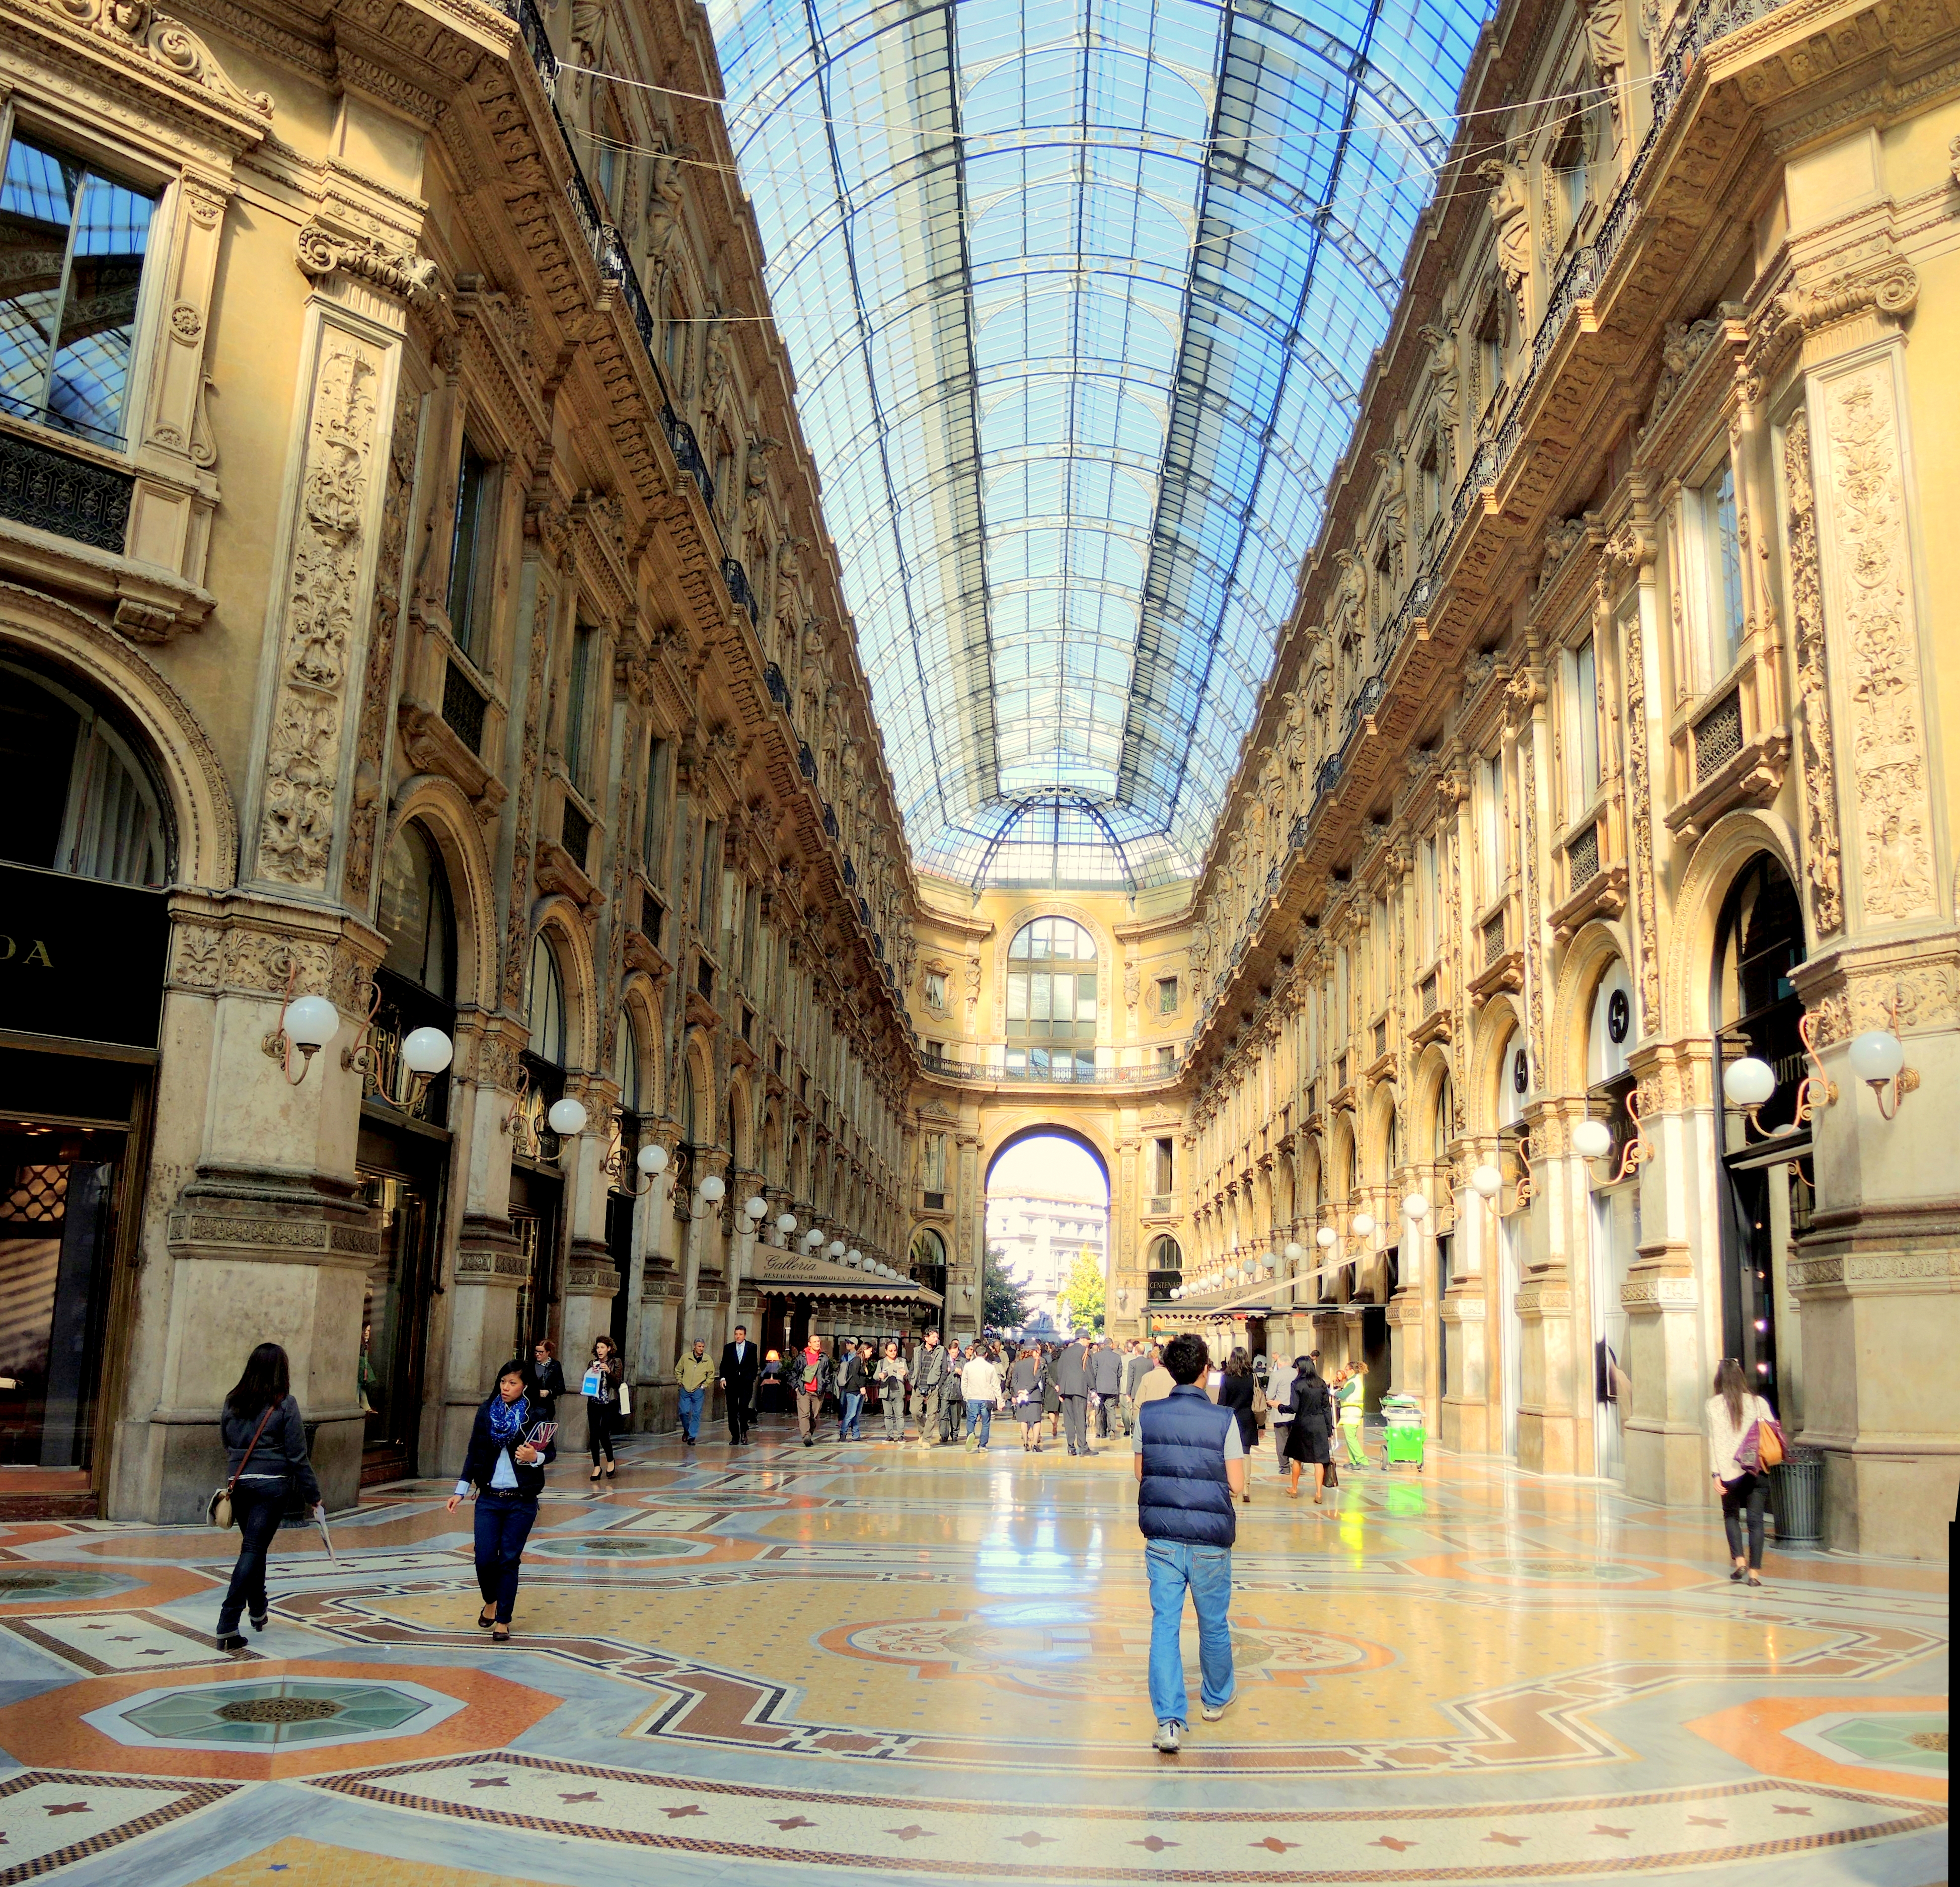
(1171,1566)
(258,1506)
(691,1400)
(983,1414)
(503,1518)
(848,1429)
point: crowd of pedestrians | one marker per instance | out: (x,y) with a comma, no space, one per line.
(1073,1394)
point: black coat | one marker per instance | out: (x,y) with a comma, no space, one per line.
(740,1377)
(544,1385)
(480,1463)
(1312,1419)
(1235,1393)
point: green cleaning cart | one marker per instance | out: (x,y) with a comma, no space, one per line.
(1403,1433)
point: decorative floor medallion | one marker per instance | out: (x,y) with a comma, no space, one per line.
(274,1713)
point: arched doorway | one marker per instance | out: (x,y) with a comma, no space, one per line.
(403,1158)
(1047,1242)
(86,846)
(1766,1180)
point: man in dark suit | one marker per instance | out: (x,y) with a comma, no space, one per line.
(1071,1378)
(740,1364)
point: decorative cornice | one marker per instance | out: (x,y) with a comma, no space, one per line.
(133,25)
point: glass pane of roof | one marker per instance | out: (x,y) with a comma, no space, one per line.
(1080,296)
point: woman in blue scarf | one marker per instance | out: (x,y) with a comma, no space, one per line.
(507,1471)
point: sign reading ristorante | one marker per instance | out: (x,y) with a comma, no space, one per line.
(81,957)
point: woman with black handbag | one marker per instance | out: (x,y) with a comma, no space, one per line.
(508,1448)
(265,1443)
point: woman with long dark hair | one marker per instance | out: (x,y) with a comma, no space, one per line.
(1733,1412)
(506,1466)
(1235,1392)
(603,1377)
(265,1442)
(1311,1429)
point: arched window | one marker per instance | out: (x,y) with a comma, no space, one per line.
(1051,1000)
(1440,1132)
(415,915)
(626,1064)
(544,1005)
(927,1259)
(1513,1081)
(1166,1268)
(1609,1036)
(690,1104)
(78,799)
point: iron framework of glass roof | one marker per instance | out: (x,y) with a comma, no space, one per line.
(1080,296)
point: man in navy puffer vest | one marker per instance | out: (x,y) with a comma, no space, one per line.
(1190,1466)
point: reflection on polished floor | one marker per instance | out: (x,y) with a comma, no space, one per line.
(870,1664)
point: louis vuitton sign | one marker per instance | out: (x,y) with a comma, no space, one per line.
(81,957)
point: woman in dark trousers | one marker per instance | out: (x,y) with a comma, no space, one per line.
(266,1441)
(1733,1411)
(602,1411)
(1311,1429)
(546,1380)
(508,1474)
(1235,1392)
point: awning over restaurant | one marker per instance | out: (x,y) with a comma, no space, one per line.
(774,1269)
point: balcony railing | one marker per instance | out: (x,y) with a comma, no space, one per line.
(779,689)
(737,580)
(1069,1077)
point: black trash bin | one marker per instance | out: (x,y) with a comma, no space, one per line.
(1797,1483)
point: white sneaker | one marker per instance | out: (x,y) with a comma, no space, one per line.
(1168,1739)
(1213,1711)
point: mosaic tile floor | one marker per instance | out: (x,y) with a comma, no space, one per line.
(869,1664)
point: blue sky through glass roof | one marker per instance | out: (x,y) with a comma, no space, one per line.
(1080,296)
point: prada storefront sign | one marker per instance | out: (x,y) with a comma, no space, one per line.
(771,1265)
(81,957)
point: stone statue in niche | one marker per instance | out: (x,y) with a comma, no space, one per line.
(1510,213)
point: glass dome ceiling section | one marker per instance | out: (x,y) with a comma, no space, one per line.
(1081,295)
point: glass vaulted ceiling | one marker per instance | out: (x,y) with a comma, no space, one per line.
(1080,295)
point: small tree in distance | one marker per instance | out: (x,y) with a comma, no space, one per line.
(1002,1306)
(1081,1297)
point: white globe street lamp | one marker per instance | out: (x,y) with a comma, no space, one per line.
(566,1118)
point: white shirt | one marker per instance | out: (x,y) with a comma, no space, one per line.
(1725,1436)
(980,1381)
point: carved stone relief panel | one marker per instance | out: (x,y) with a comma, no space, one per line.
(319,609)
(1823,865)
(378,691)
(1871,620)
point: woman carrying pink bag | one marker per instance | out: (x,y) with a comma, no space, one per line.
(1744,1443)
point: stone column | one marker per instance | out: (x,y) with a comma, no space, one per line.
(654,1285)
(741,1306)
(1467,1417)
(1875,1274)
(1673,1295)
(591,1278)
(704,1223)
(489,1262)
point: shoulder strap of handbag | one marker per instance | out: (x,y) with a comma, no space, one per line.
(231,1485)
